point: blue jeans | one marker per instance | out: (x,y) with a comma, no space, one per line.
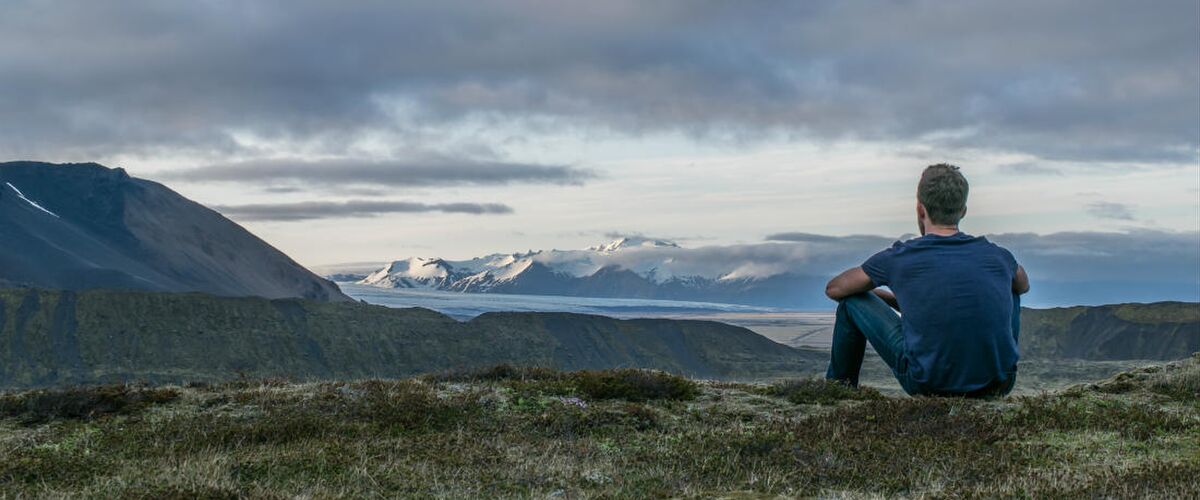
(866,318)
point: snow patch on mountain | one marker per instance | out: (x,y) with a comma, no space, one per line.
(632,242)
(415,272)
(657,261)
(27,200)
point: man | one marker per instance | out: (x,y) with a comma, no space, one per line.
(959,296)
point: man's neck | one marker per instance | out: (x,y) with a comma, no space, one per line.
(941,230)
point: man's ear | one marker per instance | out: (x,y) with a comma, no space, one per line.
(920,210)
(964,213)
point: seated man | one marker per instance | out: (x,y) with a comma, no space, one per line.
(959,295)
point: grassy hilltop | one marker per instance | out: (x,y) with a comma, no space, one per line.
(511,432)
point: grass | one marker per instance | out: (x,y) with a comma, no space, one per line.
(527,432)
(820,391)
(628,384)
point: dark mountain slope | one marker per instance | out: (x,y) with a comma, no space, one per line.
(1160,331)
(51,338)
(81,226)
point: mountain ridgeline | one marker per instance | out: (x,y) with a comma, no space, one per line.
(628,268)
(64,337)
(84,226)
(1158,331)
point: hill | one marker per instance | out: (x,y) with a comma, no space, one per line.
(53,337)
(64,337)
(509,432)
(1158,331)
(83,226)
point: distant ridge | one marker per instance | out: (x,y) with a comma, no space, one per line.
(83,226)
(1156,331)
(63,337)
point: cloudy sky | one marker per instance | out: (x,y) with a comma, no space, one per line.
(369,130)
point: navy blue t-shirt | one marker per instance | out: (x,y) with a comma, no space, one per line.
(956,302)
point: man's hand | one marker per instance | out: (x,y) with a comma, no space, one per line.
(888,297)
(851,282)
(1020,281)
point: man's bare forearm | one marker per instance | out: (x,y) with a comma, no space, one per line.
(888,297)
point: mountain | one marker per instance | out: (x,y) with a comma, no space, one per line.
(631,267)
(82,226)
(1159,331)
(65,337)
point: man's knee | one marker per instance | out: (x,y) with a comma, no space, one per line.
(860,301)
(853,301)
(856,298)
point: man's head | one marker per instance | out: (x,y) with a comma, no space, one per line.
(941,195)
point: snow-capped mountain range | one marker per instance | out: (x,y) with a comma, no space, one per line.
(630,267)
(789,270)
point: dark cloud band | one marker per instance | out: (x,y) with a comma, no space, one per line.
(436,171)
(1057,79)
(351,209)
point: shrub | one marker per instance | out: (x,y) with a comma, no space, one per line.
(633,385)
(496,373)
(81,403)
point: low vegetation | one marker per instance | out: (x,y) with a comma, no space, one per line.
(517,432)
(820,391)
(627,384)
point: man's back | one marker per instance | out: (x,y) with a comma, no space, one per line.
(957,300)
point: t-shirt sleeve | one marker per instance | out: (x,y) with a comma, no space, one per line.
(1009,259)
(879,266)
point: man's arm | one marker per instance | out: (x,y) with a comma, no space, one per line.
(1020,283)
(888,297)
(852,281)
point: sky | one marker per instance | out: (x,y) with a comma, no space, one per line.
(366,131)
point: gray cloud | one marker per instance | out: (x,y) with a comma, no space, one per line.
(1029,168)
(354,208)
(613,235)
(1057,79)
(820,238)
(431,171)
(1110,210)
